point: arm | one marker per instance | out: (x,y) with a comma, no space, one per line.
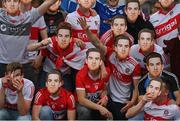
(87,103)
(45,5)
(93,38)
(39,45)
(177,95)
(36,111)
(135,109)
(71,115)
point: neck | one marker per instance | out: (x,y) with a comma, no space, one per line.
(94,73)
(161,99)
(85,11)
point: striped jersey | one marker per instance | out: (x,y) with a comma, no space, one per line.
(78,32)
(14,35)
(122,76)
(166,24)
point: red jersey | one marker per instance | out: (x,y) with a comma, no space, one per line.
(60,104)
(92,86)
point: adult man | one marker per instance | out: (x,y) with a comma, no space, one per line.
(166,24)
(91,89)
(125,71)
(155,67)
(14,33)
(16,94)
(118,27)
(92,18)
(145,46)
(155,103)
(54,102)
(63,54)
(134,21)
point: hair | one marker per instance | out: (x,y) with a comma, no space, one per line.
(93,50)
(6,0)
(55,71)
(148,31)
(119,37)
(64,25)
(158,79)
(14,66)
(111,21)
(130,1)
(152,55)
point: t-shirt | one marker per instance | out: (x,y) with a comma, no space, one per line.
(92,86)
(60,104)
(137,54)
(122,76)
(11,96)
(156,112)
(77,31)
(166,24)
(14,35)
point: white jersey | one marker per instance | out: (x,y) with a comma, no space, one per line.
(11,96)
(78,32)
(166,24)
(136,53)
(154,112)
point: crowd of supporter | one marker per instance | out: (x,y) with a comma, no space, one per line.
(90,60)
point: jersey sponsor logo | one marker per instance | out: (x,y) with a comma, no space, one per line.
(167,27)
(18,30)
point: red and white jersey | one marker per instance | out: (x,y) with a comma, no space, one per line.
(92,86)
(34,35)
(11,96)
(78,32)
(166,24)
(137,54)
(108,38)
(122,76)
(155,112)
(60,104)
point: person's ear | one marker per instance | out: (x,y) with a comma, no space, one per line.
(61,83)
(86,61)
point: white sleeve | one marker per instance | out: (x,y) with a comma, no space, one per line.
(29,92)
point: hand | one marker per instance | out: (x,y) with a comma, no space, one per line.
(128,105)
(83,23)
(18,84)
(104,112)
(46,41)
(79,42)
(103,101)
(147,97)
(37,62)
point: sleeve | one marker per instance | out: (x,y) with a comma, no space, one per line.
(39,98)
(29,92)
(137,72)
(109,51)
(42,24)
(34,15)
(71,102)
(174,85)
(79,79)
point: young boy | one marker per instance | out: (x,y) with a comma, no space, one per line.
(54,102)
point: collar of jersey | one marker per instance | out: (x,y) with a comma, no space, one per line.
(165,12)
(82,14)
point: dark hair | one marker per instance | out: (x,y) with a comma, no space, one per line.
(55,71)
(119,37)
(152,55)
(111,21)
(14,66)
(158,79)
(130,1)
(148,31)
(93,50)
(64,25)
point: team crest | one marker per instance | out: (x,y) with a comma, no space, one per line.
(166,112)
(127,70)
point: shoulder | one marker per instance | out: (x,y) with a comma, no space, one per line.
(28,83)
(133,61)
